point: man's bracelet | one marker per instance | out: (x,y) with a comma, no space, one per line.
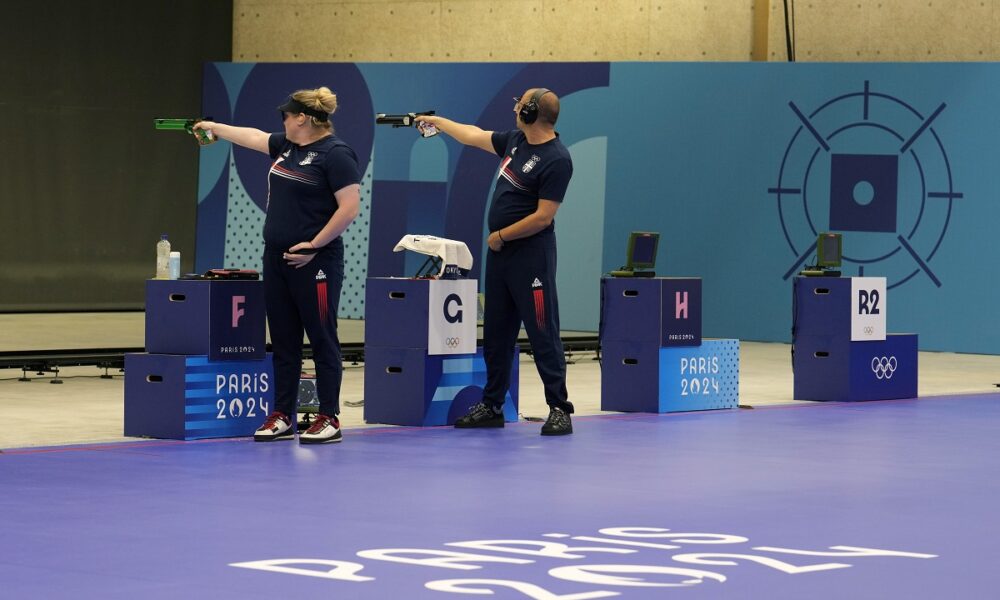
(500,236)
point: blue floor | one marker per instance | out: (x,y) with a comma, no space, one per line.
(697,505)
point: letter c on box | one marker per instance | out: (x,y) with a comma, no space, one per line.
(457,316)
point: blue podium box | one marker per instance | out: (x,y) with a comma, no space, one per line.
(832,368)
(191,397)
(438,316)
(223,320)
(662,310)
(853,308)
(822,306)
(406,386)
(644,377)
(401,308)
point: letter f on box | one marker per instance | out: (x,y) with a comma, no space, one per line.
(681,305)
(237,311)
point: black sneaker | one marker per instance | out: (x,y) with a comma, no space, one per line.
(277,427)
(558,423)
(480,415)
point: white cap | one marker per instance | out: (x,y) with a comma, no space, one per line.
(175,255)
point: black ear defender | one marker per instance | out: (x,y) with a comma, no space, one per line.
(529,110)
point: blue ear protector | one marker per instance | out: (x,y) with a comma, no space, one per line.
(529,110)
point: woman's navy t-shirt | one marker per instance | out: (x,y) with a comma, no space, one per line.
(527,174)
(300,187)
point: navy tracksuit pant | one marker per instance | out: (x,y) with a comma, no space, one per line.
(300,300)
(521,288)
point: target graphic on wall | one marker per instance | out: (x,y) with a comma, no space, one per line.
(873,167)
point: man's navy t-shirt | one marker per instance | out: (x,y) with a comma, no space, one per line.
(527,174)
(300,187)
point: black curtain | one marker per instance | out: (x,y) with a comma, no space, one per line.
(86,184)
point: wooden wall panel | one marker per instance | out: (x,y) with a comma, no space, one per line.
(831,31)
(890,30)
(587,30)
(701,30)
(941,30)
(491,31)
(623,30)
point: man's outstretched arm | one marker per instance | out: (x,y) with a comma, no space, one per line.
(470,135)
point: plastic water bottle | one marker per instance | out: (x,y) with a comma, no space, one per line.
(163,258)
(175,265)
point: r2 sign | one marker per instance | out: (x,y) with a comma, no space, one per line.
(868,309)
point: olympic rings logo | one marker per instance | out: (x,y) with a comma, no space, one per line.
(884,366)
(452,342)
(869,330)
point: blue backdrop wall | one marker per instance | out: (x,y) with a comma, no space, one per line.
(737,165)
